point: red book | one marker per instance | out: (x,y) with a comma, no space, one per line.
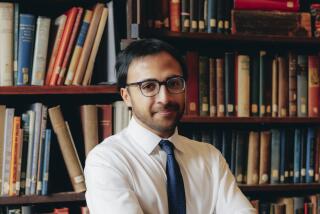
(70,47)
(104,121)
(313,86)
(175,15)
(192,95)
(71,17)
(287,5)
(61,210)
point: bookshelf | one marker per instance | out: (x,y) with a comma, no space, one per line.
(215,45)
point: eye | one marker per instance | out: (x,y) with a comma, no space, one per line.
(175,83)
(149,86)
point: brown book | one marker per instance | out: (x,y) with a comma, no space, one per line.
(220,87)
(204,86)
(104,121)
(89,120)
(192,97)
(69,152)
(253,158)
(175,15)
(292,84)
(264,163)
(313,86)
(288,202)
(274,23)
(2,125)
(275,87)
(242,77)
(88,44)
(283,87)
(278,208)
(212,87)
(94,51)
(314,201)
(165,14)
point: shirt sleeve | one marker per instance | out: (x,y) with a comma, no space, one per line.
(230,198)
(108,191)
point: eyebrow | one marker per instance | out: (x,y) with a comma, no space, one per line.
(153,79)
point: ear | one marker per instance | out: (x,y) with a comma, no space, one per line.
(126,96)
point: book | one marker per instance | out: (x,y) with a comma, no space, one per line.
(70,47)
(287,5)
(46,161)
(220,87)
(40,50)
(79,46)
(283,87)
(253,158)
(194,15)
(243,86)
(229,83)
(6,38)
(88,44)
(27,183)
(212,88)
(201,13)
(68,149)
(275,157)
(292,60)
(2,133)
(273,23)
(212,16)
(25,119)
(174,15)
(192,86)
(275,88)
(255,84)
(313,86)
(89,120)
(59,24)
(25,51)
(14,153)
(104,121)
(302,85)
(203,86)
(264,163)
(15,42)
(94,51)
(63,44)
(185,15)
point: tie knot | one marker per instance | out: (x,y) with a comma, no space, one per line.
(167,146)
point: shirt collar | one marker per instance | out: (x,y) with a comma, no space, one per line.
(147,140)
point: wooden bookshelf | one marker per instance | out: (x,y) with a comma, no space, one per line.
(38,90)
(218,38)
(251,120)
(43,199)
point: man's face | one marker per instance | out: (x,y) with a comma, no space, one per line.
(161,112)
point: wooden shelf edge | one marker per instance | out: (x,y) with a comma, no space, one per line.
(313,187)
(37,90)
(222,37)
(252,120)
(41,199)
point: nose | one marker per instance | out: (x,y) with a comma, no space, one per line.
(163,95)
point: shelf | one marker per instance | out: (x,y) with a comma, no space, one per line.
(37,199)
(278,188)
(37,90)
(252,120)
(205,37)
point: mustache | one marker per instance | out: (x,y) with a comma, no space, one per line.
(171,106)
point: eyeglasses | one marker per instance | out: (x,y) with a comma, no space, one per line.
(150,88)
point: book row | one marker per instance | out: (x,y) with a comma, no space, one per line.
(230,17)
(292,205)
(260,83)
(284,155)
(33,209)
(40,50)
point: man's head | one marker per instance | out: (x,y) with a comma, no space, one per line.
(151,78)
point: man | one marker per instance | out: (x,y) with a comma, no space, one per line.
(148,167)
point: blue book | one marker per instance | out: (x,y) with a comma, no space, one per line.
(310,155)
(275,156)
(24,157)
(25,51)
(46,161)
(303,154)
(282,170)
(212,16)
(240,155)
(297,156)
(302,85)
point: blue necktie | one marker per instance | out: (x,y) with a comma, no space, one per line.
(175,188)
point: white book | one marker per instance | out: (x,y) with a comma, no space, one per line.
(243,89)
(6,43)
(40,50)
(2,125)
(6,160)
(111,48)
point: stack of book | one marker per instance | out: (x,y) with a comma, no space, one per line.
(256,83)
(33,53)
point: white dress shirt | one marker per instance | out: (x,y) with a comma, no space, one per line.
(126,174)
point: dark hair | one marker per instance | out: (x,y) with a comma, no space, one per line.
(142,48)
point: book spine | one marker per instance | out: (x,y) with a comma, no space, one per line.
(192,108)
(253,157)
(240,156)
(275,88)
(203,86)
(25,126)
(2,134)
(18,160)
(297,156)
(243,86)
(15,42)
(283,87)
(87,47)
(267,5)
(220,87)
(201,20)
(40,51)
(194,15)
(229,83)
(105,121)
(310,155)
(32,117)
(255,81)
(313,86)
(212,16)
(212,87)
(65,39)
(79,46)
(46,161)
(6,37)
(264,163)
(70,47)
(14,154)
(59,23)
(175,15)
(25,55)
(275,157)
(283,153)
(185,16)
(302,84)
(221,15)
(68,149)
(96,43)
(292,84)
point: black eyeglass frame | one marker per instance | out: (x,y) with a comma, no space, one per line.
(165,83)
